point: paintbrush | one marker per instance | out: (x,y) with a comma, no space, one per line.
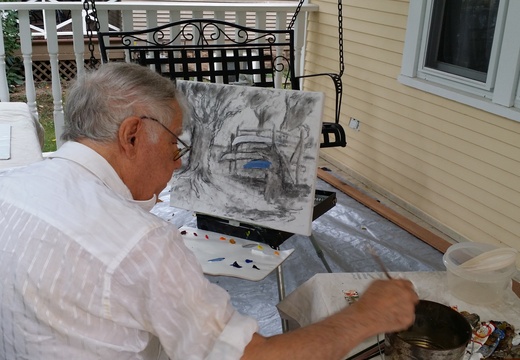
(378,260)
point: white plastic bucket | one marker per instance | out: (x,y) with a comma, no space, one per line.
(482,280)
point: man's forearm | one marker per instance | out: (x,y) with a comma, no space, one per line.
(331,338)
(386,306)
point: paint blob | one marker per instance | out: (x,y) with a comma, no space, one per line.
(247,246)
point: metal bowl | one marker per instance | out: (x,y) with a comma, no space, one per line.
(438,333)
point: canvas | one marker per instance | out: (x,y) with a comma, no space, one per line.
(254,154)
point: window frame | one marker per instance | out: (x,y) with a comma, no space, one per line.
(500,94)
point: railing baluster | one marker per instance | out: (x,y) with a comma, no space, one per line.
(198,14)
(52,47)
(26,49)
(219,15)
(241,18)
(151,18)
(261,18)
(78,41)
(4,88)
(281,23)
(175,15)
(127,20)
(299,36)
(102,15)
(260,22)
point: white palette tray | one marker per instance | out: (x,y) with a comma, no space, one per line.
(231,256)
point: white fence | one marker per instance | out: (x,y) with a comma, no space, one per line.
(131,16)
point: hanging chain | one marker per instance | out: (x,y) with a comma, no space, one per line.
(90,33)
(340,31)
(340,38)
(295,15)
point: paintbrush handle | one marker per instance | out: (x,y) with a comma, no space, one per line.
(381,264)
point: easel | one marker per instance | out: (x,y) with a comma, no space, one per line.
(323,202)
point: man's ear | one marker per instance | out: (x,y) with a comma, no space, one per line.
(128,134)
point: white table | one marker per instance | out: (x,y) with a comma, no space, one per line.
(26,134)
(323,295)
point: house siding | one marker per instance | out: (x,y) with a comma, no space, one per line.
(452,165)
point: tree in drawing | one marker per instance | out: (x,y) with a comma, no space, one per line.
(209,108)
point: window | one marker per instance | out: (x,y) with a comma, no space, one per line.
(461,37)
(465,50)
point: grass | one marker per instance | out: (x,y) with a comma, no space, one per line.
(45,105)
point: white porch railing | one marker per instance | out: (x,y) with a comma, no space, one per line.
(133,16)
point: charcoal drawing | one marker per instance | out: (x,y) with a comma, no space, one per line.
(254,154)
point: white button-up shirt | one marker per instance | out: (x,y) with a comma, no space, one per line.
(86,272)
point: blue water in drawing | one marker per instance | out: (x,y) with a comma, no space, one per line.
(258,164)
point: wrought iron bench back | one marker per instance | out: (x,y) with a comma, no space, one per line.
(209,50)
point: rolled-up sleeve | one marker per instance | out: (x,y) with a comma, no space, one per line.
(233,340)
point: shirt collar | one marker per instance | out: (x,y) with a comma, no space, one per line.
(97,165)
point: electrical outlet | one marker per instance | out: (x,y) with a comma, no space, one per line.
(354,124)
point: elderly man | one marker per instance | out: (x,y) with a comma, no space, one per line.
(87,272)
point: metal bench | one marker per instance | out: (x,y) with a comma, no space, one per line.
(220,52)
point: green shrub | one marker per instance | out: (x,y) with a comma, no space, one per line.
(14,69)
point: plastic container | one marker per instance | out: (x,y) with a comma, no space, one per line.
(486,280)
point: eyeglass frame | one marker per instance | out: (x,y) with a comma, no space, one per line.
(180,152)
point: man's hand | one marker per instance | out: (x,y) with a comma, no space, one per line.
(388,304)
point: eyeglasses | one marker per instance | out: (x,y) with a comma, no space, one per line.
(181,151)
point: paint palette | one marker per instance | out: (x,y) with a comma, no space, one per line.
(226,255)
